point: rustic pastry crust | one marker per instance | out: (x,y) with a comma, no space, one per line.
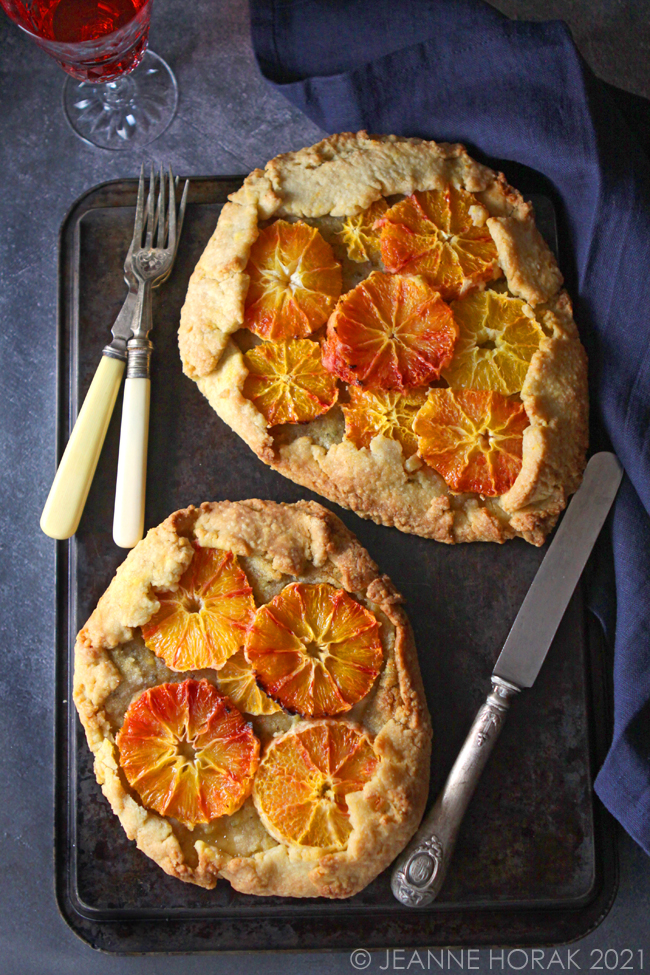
(339,177)
(277,544)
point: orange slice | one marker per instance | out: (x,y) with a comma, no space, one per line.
(295,281)
(304,779)
(204,621)
(237,680)
(496,343)
(288,382)
(434,233)
(314,649)
(473,438)
(391,331)
(187,752)
(360,236)
(376,411)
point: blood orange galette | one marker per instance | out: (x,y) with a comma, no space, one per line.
(380,320)
(250,690)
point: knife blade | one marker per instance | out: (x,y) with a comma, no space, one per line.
(420,870)
(123,326)
(542,610)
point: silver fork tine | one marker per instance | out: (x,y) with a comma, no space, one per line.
(139,213)
(179,225)
(181,213)
(161,210)
(151,209)
(171,243)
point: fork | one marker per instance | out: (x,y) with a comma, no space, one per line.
(150,265)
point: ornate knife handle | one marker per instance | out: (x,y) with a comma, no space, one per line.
(420,870)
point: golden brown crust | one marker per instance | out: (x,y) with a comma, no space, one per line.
(338,177)
(278,544)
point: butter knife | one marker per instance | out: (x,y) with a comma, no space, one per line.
(67,498)
(420,870)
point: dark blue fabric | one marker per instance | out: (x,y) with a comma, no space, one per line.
(458,70)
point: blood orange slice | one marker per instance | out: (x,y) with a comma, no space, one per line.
(295,281)
(360,235)
(391,331)
(498,338)
(237,680)
(204,621)
(304,779)
(187,752)
(435,232)
(314,649)
(376,411)
(288,382)
(472,438)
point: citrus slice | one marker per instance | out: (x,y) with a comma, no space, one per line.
(204,621)
(496,343)
(376,411)
(304,779)
(472,438)
(295,281)
(434,233)
(360,236)
(288,382)
(187,752)
(314,649)
(237,680)
(391,331)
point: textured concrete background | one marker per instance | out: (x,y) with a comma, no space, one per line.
(227,122)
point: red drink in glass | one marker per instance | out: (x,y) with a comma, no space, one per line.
(93,40)
(99,43)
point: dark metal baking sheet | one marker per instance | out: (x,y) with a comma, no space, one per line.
(535,863)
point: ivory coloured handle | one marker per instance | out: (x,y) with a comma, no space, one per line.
(67,497)
(130,491)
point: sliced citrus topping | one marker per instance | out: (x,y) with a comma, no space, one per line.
(496,343)
(391,331)
(288,382)
(473,438)
(304,779)
(314,649)
(204,621)
(237,680)
(295,281)
(360,235)
(434,233)
(376,411)
(187,752)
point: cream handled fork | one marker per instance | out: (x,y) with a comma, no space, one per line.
(150,264)
(69,491)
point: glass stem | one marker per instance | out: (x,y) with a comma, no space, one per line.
(116,93)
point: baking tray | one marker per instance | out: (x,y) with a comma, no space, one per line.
(536,859)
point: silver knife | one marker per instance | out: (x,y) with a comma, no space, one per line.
(420,870)
(67,498)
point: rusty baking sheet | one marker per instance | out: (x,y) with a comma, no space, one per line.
(535,863)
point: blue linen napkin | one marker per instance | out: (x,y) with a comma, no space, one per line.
(459,71)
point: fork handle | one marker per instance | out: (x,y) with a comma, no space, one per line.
(67,497)
(130,490)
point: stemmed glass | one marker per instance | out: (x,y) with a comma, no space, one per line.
(100,43)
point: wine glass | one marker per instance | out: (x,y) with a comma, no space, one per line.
(100,43)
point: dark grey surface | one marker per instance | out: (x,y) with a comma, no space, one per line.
(227,122)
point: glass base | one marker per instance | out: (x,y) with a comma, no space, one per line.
(126,113)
